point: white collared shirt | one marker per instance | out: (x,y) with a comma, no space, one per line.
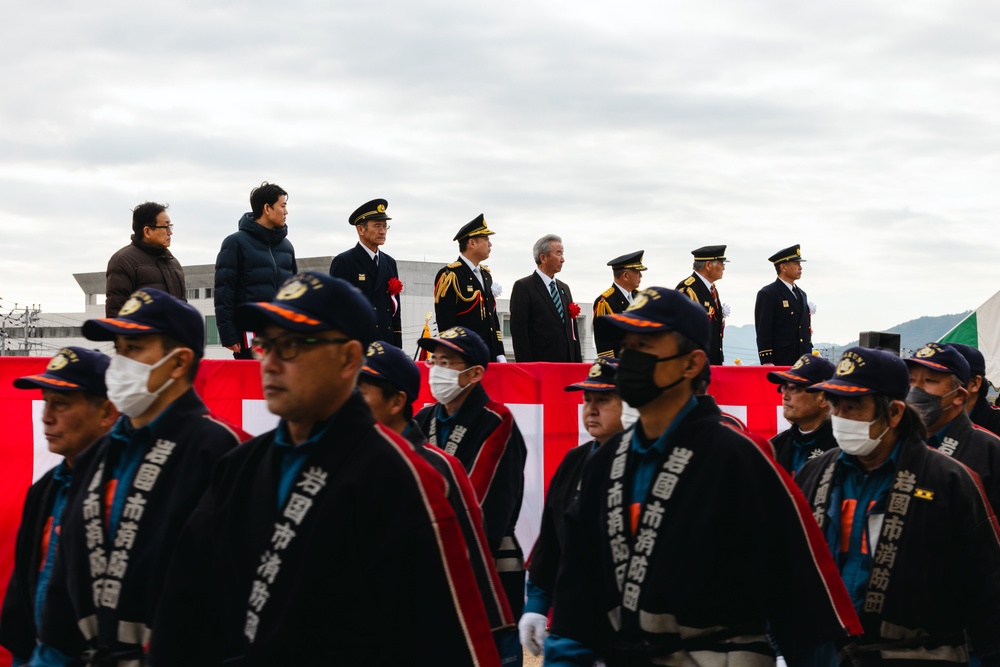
(705,280)
(371,254)
(476,271)
(545,279)
(628,295)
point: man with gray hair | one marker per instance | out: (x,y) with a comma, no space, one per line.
(542,312)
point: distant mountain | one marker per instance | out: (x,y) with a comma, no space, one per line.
(741,342)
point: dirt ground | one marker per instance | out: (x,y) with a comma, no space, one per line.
(532,661)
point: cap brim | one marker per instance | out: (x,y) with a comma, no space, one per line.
(430,343)
(256,317)
(927,363)
(778,377)
(587,385)
(841,388)
(106,328)
(45,381)
(608,326)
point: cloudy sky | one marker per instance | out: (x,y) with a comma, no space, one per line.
(869,132)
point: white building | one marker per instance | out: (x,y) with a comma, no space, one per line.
(52,331)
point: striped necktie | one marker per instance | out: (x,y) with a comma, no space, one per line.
(557,300)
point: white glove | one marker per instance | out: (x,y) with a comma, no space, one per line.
(501,359)
(812,308)
(497,290)
(531,631)
(726,310)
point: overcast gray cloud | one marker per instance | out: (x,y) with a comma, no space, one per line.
(868,132)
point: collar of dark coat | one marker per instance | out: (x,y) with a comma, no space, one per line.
(271,237)
(150,249)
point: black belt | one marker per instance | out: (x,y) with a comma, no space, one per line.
(104,656)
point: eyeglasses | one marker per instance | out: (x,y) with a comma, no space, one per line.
(790,389)
(444,363)
(170,227)
(289,347)
(379,228)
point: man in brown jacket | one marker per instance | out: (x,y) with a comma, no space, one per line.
(146,262)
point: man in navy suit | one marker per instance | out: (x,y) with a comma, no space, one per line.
(781,315)
(541,324)
(372,271)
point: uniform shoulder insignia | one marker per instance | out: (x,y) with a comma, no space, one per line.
(485,268)
(690,281)
(608,292)
(455,265)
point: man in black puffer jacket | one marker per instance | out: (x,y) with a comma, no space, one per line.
(253,262)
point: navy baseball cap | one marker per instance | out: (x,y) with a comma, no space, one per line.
(310,302)
(387,362)
(601,377)
(943,359)
(467,343)
(151,311)
(808,370)
(657,310)
(71,369)
(977,362)
(865,370)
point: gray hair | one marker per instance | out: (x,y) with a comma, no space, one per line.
(543,246)
(699,264)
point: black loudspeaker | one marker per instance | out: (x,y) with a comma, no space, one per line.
(883,339)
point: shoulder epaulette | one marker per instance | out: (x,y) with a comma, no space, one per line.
(608,292)
(690,281)
(485,268)
(455,265)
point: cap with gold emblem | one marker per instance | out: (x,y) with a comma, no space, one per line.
(467,343)
(808,370)
(632,260)
(151,311)
(312,301)
(372,210)
(475,228)
(710,253)
(865,370)
(789,254)
(943,359)
(656,310)
(385,361)
(601,377)
(71,369)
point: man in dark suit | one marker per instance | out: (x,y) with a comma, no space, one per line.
(709,265)
(627,271)
(541,322)
(781,315)
(373,272)
(464,290)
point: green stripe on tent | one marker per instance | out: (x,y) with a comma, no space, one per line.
(965,332)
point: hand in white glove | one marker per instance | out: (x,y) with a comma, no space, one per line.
(531,631)
(501,359)
(497,290)
(726,310)
(812,308)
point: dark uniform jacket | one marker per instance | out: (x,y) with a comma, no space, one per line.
(251,265)
(128,572)
(696,290)
(564,487)
(723,546)
(138,265)
(485,438)
(986,415)
(462,498)
(977,448)
(362,564)
(611,300)
(936,567)
(539,334)
(816,443)
(784,329)
(459,300)
(357,268)
(18,633)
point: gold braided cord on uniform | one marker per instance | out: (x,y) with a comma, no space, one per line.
(603,308)
(450,280)
(692,295)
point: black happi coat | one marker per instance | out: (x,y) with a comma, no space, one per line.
(784,449)
(493,453)
(375,573)
(459,300)
(943,567)
(696,290)
(735,549)
(357,268)
(462,498)
(985,415)
(783,324)
(200,441)
(611,300)
(18,633)
(564,487)
(977,448)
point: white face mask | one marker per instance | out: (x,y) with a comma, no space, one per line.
(128,384)
(444,384)
(852,436)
